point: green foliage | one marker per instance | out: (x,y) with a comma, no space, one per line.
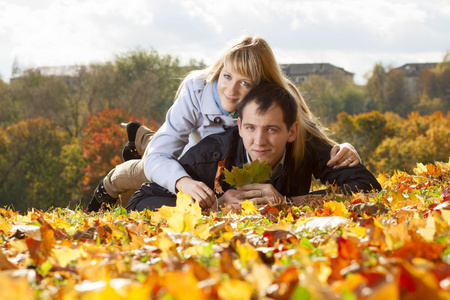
(8,111)
(397,99)
(375,87)
(328,97)
(40,166)
(254,172)
(364,131)
(146,74)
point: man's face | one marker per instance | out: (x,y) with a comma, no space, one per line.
(232,88)
(265,136)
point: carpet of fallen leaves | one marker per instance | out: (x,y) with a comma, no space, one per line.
(394,244)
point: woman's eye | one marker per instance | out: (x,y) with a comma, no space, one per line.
(246,84)
(227,76)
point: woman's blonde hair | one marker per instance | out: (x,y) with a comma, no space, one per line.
(251,56)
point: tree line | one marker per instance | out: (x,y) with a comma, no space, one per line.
(60,135)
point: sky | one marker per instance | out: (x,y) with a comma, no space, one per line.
(351,34)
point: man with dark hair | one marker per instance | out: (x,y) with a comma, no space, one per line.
(267,125)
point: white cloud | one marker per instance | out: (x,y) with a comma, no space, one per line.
(352,34)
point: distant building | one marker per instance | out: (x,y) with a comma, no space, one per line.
(67,73)
(299,73)
(412,72)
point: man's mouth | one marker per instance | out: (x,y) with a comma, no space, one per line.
(261,152)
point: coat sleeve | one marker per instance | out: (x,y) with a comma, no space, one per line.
(161,162)
(349,179)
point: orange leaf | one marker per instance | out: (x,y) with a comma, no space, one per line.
(348,249)
(217,187)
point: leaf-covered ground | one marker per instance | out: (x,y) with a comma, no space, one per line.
(390,245)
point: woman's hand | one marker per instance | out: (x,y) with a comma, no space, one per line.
(197,190)
(343,155)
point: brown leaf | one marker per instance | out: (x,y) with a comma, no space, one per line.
(5,264)
(217,187)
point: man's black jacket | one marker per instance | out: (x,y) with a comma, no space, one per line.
(201,163)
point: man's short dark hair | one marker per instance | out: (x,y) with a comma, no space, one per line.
(265,95)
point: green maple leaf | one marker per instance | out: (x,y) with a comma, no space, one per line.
(254,172)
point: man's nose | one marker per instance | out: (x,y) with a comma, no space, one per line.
(260,137)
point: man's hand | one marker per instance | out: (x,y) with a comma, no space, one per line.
(197,190)
(343,155)
(257,193)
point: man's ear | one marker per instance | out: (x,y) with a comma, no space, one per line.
(293,132)
(239,126)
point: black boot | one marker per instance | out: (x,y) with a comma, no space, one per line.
(100,196)
(130,151)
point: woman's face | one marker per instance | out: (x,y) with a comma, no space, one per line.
(232,88)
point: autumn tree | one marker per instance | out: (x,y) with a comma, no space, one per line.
(397,99)
(364,131)
(8,112)
(376,80)
(41,166)
(422,139)
(103,144)
(57,98)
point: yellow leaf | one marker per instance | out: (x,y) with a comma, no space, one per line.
(18,245)
(248,208)
(225,237)
(429,230)
(106,293)
(182,285)
(246,252)
(184,216)
(60,223)
(421,168)
(337,208)
(65,255)
(356,231)
(235,290)
(446,216)
(382,179)
(164,244)
(5,227)
(351,282)
(301,221)
(398,200)
(202,231)
(377,223)
(261,277)
(15,288)
(289,218)
(195,250)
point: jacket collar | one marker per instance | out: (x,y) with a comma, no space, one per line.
(208,105)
